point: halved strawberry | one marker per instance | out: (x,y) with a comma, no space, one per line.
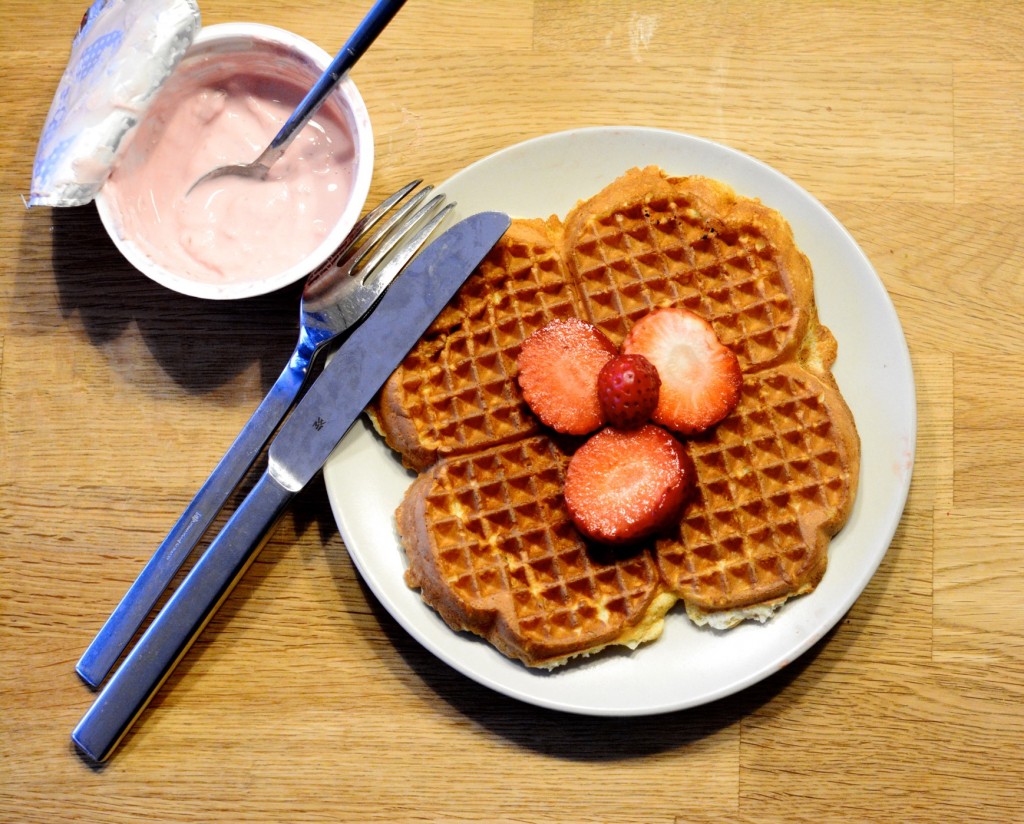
(626,484)
(558,368)
(627,387)
(700,376)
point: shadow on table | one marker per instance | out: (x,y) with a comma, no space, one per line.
(200,344)
(587,738)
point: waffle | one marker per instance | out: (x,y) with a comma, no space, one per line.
(648,241)
(489,541)
(456,391)
(775,481)
(492,549)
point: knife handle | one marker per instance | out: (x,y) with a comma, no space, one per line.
(119,629)
(181,620)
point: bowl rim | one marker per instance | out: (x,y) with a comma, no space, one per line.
(358,118)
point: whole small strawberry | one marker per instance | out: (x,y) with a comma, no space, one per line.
(628,387)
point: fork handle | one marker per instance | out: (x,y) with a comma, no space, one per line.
(161,568)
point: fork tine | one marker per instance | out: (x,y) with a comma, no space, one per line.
(330,276)
(372,218)
(367,262)
(384,238)
(379,275)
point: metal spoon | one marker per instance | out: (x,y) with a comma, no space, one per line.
(360,40)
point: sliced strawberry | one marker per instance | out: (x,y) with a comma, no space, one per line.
(627,387)
(623,485)
(700,376)
(558,368)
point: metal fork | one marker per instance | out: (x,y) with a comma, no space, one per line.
(335,298)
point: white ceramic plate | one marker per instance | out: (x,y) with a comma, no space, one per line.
(687,666)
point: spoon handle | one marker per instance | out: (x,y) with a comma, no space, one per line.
(160,570)
(359,41)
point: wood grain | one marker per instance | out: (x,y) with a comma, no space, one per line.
(304,700)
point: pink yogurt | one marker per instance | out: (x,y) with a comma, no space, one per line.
(232,236)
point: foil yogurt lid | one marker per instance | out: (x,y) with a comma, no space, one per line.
(121,56)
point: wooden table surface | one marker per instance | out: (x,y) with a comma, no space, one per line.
(304,700)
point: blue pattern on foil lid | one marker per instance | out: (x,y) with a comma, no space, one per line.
(121,55)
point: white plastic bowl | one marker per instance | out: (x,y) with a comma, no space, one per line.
(303,62)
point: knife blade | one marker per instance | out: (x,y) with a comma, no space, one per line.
(300,449)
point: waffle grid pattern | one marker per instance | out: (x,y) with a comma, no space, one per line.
(459,381)
(768,478)
(504,543)
(662,252)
